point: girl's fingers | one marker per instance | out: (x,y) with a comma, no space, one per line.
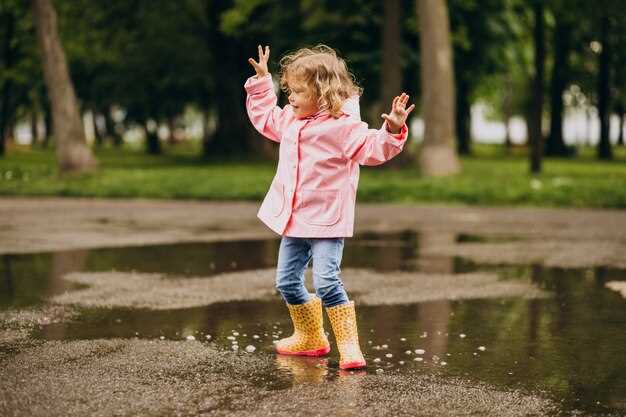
(394,103)
(267,52)
(260,53)
(410,109)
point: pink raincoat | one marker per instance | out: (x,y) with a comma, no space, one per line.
(313,193)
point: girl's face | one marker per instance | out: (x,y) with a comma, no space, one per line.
(302,98)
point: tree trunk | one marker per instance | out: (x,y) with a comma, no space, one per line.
(437,156)
(620,138)
(73,155)
(463,117)
(391,69)
(96,131)
(6,112)
(234,135)
(507,111)
(604,92)
(111,129)
(171,127)
(555,145)
(47,120)
(33,129)
(206,133)
(153,144)
(535,131)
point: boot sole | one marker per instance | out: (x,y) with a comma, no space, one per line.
(353,365)
(315,352)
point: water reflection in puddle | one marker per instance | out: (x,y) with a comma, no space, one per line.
(572,345)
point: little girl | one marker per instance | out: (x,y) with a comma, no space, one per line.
(312,197)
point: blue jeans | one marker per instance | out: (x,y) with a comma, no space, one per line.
(294,256)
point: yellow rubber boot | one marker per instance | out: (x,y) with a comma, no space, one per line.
(343,321)
(308,337)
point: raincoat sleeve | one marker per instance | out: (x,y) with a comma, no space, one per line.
(265,115)
(370,146)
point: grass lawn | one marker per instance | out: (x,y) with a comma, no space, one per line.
(488,178)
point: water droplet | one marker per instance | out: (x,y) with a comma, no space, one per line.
(420,351)
(235,347)
(208,337)
(250,348)
(230,337)
(376,360)
(190,337)
(443,363)
(385,346)
(462,335)
(482,348)
(401,362)
(418,359)
(389,355)
(403,339)
(255,336)
(380,371)
(408,352)
(162,337)
(235,333)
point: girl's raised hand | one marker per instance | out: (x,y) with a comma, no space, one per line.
(397,117)
(261,66)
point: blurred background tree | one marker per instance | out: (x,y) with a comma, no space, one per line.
(173,71)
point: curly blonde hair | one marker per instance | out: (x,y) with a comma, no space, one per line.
(325,73)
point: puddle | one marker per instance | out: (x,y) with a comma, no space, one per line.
(570,346)
(27,280)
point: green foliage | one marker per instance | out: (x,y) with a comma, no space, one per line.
(491,178)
